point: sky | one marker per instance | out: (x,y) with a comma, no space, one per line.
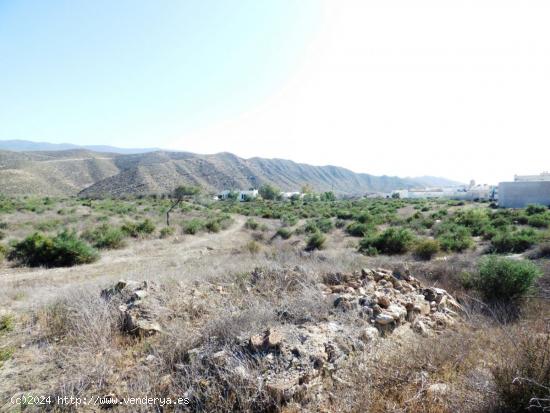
(459,89)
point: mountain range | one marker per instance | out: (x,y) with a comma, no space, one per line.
(110,171)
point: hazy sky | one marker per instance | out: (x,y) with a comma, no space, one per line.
(451,88)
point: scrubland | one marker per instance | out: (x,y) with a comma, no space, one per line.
(275,306)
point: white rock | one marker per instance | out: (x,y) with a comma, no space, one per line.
(384,318)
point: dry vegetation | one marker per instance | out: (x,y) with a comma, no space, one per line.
(242,298)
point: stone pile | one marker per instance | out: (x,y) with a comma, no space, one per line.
(389,299)
(139,306)
(300,359)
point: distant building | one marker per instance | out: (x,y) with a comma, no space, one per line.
(525,190)
(241,195)
(246,195)
(472,192)
(545,176)
(288,195)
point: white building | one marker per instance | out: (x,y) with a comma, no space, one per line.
(288,195)
(545,176)
(525,190)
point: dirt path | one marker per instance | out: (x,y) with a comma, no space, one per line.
(141,258)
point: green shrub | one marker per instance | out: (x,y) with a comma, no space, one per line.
(364,218)
(3,252)
(324,224)
(513,241)
(137,229)
(367,245)
(166,232)
(474,219)
(289,220)
(394,241)
(213,225)
(535,209)
(505,280)
(267,191)
(316,241)
(453,237)
(357,229)
(63,250)
(6,353)
(105,237)
(7,323)
(538,221)
(284,233)
(193,226)
(426,249)
(251,224)
(391,241)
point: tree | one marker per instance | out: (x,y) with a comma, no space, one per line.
(328,196)
(179,194)
(269,192)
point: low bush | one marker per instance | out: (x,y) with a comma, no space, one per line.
(193,226)
(357,229)
(289,220)
(7,323)
(426,249)
(324,224)
(218,222)
(391,241)
(105,237)
(137,229)
(316,241)
(166,232)
(63,250)
(6,353)
(284,233)
(251,224)
(513,241)
(535,209)
(3,252)
(453,237)
(538,220)
(504,280)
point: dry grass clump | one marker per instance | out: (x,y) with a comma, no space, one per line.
(432,374)
(522,371)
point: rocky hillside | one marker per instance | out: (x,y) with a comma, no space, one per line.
(95,174)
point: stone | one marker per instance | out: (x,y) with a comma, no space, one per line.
(419,327)
(437,389)
(398,312)
(369,334)
(146,327)
(256,342)
(383,301)
(139,295)
(274,339)
(384,319)
(343,303)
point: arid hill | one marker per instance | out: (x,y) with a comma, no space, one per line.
(95,174)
